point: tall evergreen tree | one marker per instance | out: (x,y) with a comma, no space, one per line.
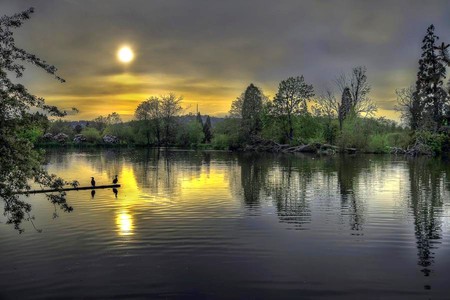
(199,119)
(345,106)
(207,130)
(251,111)
(429,97)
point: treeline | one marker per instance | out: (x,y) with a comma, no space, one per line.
(341,115)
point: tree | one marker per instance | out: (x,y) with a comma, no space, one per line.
(199,119)
(429,99)
(150,113)
(170,108)
(236,107)
(19,161)
(290,101)
(405,105)
(345,107)
(77,129)
(207,130)
(359,90)
(191,134)
(252,106)
(113,119)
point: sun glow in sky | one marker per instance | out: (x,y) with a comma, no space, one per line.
(125,54)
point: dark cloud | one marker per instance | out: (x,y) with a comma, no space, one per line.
(210,50)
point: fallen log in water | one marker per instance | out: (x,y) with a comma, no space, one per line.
(70,189)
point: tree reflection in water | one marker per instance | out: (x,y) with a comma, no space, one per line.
(294,184)
(429,179)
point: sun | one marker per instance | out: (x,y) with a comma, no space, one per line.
(125,54)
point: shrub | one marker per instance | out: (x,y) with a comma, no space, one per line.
(191,134)
(435,141)
(220,142)
(398,139)
(92,135)
(378,144)
(354,134)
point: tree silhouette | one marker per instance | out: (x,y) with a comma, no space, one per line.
(19,162)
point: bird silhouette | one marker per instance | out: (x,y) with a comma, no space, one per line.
(92,182)
(115,191)
(92,194)
(115,180)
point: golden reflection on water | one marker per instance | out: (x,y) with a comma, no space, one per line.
(213,182)
(124,223)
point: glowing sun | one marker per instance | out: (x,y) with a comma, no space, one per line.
(125,54)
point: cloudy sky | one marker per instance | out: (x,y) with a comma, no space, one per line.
(209,51)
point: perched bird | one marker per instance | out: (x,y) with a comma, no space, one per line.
(115,180)
(92,182)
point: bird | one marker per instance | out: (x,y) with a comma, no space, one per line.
(92,182)
(115,180)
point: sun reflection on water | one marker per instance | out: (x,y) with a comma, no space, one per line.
(124,222)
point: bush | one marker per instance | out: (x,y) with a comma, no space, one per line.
(92,135)
(191,134)
(60,126)
(220,142)
(230,127)
(378,144)
(308,129)
(123,132)
(330,132)
(354,134)
(398,139)
(435,141)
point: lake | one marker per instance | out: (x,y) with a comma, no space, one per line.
(198,225)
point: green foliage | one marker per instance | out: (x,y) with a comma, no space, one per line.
(330,132)
(60,126)
(290,100)
(230,128)
(19,162)
(123,131)
(92,135)
(378,144)
(435,141)
(354,134)
(272,128)
(308,129)
(398,139)
(31,134)
(207,130)
(191,134)
(251,111)
(221,142)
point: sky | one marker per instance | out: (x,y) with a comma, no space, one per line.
(210,51)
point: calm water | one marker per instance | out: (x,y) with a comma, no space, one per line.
(223,225)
